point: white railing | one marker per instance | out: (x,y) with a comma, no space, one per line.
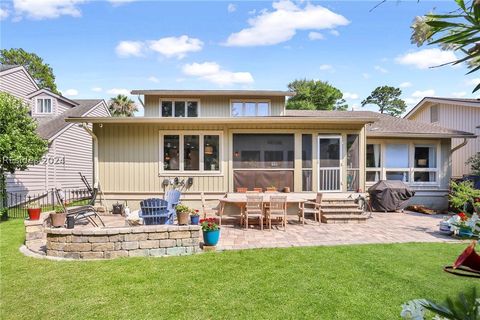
(329,179)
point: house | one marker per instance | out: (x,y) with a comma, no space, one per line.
(69,146)
(457,114)
(227,139)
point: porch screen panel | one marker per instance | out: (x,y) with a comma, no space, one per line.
(263,151)
(353,162)
(262,179)
(307,162)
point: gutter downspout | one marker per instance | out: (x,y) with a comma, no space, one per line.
(95,154)
(461,145)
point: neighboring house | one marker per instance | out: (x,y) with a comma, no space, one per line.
(458,114)
(69,146)
(226,139)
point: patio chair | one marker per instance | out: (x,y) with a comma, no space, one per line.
(208,210)
(173,198)
(85,212)
(156,211)
(277,209)
(254,209)
(313,207)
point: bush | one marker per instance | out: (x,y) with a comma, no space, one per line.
(462,194)
(474,162)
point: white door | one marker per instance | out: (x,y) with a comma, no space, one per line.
(329,163)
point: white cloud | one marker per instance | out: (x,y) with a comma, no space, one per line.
(380,69)
(97,89)
(422,94)
(411,101)
(281,24)
(405,84)
(349,95)
(47,9)
(426,58)
(70,92)
(153,79)
(334,32)
(459,94)
(472,82)
(175,46)
(366,75)
(130,48)
(326,67)
(211,71)
(4,13)
(117,91)
(120,2)
(313,35)
(231,7)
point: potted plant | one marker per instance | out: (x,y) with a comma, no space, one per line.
(183,212)
(194,217)
(34,209)
(272,188)
(211,231)
(464,229)
(58,218)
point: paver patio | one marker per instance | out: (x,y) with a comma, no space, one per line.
(393,227)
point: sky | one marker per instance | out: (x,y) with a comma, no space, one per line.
(98,49)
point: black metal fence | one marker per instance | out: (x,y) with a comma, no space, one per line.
(17,203)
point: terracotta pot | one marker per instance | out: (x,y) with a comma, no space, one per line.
(271,189)
(183,218)
(286,189)
(58,219)
(34,214)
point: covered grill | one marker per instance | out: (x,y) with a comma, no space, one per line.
(389,195)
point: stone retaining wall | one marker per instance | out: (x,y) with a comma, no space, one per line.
(108,243)
(35,235)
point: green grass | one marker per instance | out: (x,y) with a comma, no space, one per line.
(343,282)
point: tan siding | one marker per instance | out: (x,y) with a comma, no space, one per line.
(213,106)
(460,118)
(17,84)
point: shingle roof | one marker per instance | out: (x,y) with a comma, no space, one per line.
(386,125)
(50,128)
(5,67)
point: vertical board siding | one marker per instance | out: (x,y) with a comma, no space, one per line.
(456,117)
(212,106)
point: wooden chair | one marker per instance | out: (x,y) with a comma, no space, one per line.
(209,210)
(277,209)
(254,209)
(313,208)
(242,190)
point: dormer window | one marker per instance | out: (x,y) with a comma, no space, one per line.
(249,108)
(44,106)
(179,108)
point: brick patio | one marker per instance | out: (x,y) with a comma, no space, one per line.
(381,228)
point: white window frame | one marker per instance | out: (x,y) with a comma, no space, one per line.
(37,106)
(173,106)
(411,169)
(181,135)
(256,101)
(374,169)
(407,170)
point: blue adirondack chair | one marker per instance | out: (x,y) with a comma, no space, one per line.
(173,198)
(155,211)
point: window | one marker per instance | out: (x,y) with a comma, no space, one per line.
(179,108)
(434,113)
(373,162)
(190,152)
(250,108)
(353,162)
(44,105)
(425,163)
(396,157)
(307,162)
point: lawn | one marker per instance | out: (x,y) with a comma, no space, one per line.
(342,282)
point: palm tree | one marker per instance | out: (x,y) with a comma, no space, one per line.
(122,106)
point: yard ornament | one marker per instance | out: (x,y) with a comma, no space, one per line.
(467,264)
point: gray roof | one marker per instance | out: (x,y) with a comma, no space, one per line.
(5,67)
(50,128)
(386,125)
(258,93)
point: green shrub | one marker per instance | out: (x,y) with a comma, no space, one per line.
(474,162)
(461,193)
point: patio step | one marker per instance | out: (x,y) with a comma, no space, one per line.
(352,211)
(339,205)
(344,218)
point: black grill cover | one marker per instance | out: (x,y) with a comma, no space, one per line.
(389,195)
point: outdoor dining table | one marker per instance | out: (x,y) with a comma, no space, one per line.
(240,200)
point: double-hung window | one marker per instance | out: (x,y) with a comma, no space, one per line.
(43,106)
(374,164)
(179,108)
(396,162)
(190,151)
(425,163)
(249,108)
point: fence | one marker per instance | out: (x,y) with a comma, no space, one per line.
(17,202)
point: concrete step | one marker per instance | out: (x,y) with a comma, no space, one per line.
(344,218)
(352,211)
(339,205)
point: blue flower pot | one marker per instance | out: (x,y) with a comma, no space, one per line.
(465,232)
(210,238)
(194,220)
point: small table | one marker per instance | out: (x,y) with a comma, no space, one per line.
(240,200)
